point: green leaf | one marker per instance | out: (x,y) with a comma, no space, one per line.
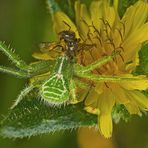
(124,4)
(33,117)
(143,66)
(142,69)
(120,112)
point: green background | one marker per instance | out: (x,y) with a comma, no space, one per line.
(23,25)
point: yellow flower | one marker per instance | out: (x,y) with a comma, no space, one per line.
(102,25)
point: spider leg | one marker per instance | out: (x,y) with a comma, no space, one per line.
(34,83)
(106,78)
(73,85)
(98,63)
(14,72)
(81,84)
(23,93)
(41,77)
(41,67)
(13,57)
(38,68)
(73,95)
(23,70)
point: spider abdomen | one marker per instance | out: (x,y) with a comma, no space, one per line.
(55,90)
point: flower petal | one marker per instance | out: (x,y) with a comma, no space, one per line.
(92,110)
(109,13)
(139,98)
(106,103)
(133,42)
(119,94)
(96,11)
(84,16)
(133,108)
(91,98)
(99,87)
(59,18)
(134,17)
(77,13)
(141,84)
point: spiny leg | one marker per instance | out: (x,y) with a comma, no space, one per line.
(41,77)
(32,69)
(23,70)
(40,67)
(81,84)
(23,93)
(98,63)
(13,57)
(73,95)
(34,84)
(106,78)
(14,72)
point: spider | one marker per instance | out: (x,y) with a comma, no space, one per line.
(55,79)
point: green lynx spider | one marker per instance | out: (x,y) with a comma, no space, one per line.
(55,79)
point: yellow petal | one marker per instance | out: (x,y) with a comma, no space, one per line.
(106,103)
(96,11)
(92,110)
(140,14)
(105,123)
(135,62)
(77,13)
(134,17)
(59,18)
(84,21)
(133,108)
(133,42)
(109,13)
(99,88)
(139,98)
(91,98)
(116,3)
(122,98)
(141,84)
(119,94)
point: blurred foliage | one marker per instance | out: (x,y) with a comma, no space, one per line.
(24,24)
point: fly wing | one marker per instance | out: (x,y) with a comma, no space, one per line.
(48,51)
